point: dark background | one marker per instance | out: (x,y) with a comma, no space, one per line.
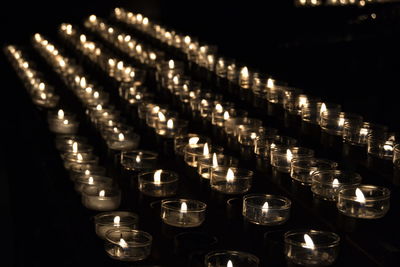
(339,53)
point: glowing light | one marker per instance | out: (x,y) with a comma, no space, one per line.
(335,183)
(91,181)
(161,116)
(360,196)
(244,73)
(65,122)
(226,115)
(341,122)
(219,108)
(96,95)
(157,177)
(171,64)
(230,176)
(175,80)
(82,82)
(138,159)
(183,207)
(117,221)
(265,208)
(363,132)
(309,242)
(229,264)
(79,157)
(170,124)
(123,243)
(92,18)
(120,65)
(145,21)
(41,86)
(121,137)
(75,147)
(60,114)
(82,38)
(289,155)
(253,135)
(187,39)
(303,101)
(206,151)
(270,83)
(193,140)
(99,107)
(102,193)
(87,172)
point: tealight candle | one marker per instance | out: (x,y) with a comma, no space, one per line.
(382,146)
(281,157)
(312,248)
(357,134)
(123,142)
(158,183)
(93,180)
(86,170)
(364,201)
(311,112)
(107,221)
(333,122)
(80,158)
(266,209)
(264,144)
(191,139)
(171,127)
(101,198)
(207,164)
(327,183)
(62,122)
(230,258)
(193,153)
(302,169)
(138,160)
(183,212)
(231,180)
(126,244)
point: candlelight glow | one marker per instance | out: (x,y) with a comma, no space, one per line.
(121,137)
(175,80)
(87,172)
(145,21)
(171,64)
(230,176)
(187,39)
(183,207)
(117,221)
(88,90)
(265,208)
(388,146)
(335,183)
(226,115)
(309,242)
(99,107)
(214,161)
(170,124)
(138,159)
(43,95)
(244,73)
(82,82)
(60,114)
(157,177)
(120,65)
(270,83)
(102,193)
(193,140)
(206,151)
(303,101)
(229,264)
(91,181)
(253,135)
(79,157)
(360,196)
(341,122)
(75,147)
(65,122)
(92,18)
(323,108)
(41,86)
(289,155)
(363,132)
(219,108)
(82,38)
(161,116)
(123,243)
(96,95)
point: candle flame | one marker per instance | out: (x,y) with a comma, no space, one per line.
(187,39)
(289,155)
(75,147)
(244,73)
(270,83)
(102,193)
(219,108)
(171,64)
(183,207)
(253,135)
(226,115)
(309,242)
(323,108)
(170,124)
(99,107)
(41,86)
(193,140)
(120,65)
(229,264)
(60,114)
(87,172)
(92,18)
(161,116)
(123,243)
(335,183)
(215,161)
(157,177)
(230,176)
(341,122)
(138,159)
(363,132)
(82,82)
(65,122)
(88,90)
(265,208)
(121,137)
(91,181)
(117,221)
(175,80)
(96,95)
(206,151)
(82,38)
(79,157)
(303,101)
(360,196)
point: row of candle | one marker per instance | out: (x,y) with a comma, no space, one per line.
(42,93)
(273,210)
(304,165)
(351,127)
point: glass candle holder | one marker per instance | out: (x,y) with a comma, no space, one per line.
(248,136)
(183,212)
(207,164)
(181,141)
(75,147)
(85,170)
(171,127)
(311,112)
(231,180)
(123,142)
(62,122)
(357,134)
(111,220)
(327,183)
(333,122)
(139,160)
(101,198)
(311,247)
(281,156)
(65,142)
(264,144)
(78,159)
(230,258)
(126,244)
(382,146)
(265,209)
(158,183)
(93,180)
(396,156)
(364,201)
(230,125)
(302,170)
(193,153)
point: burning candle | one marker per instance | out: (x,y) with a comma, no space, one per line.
(207,164)
(231,180)
(107,221)
(193,153)
(101,198)
(183,212)
(159,183)
(230,258)
(62,122)
(281,157)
